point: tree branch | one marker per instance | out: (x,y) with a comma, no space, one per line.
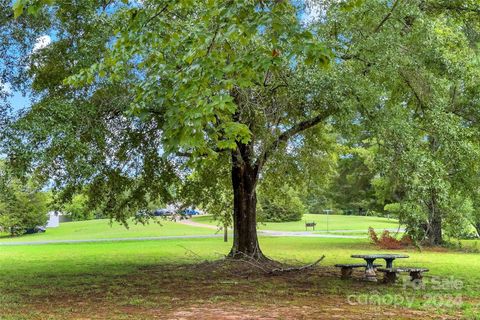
(212,42)
(287,134)
(185,154)
(162,10)
(415,93)
(277,271)
(395,4)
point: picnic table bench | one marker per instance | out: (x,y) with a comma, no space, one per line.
(416,274)
(390,273)
(347,269)
(310,225)
(370,274)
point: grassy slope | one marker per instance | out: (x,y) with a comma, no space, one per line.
(101,229)
(335,222)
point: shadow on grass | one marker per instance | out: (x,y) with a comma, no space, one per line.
(217,289)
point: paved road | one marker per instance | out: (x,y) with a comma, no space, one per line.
(307,234)
(364,231)
(275,233)
(197,224)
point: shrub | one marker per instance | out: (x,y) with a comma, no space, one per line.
(372,235)
(387,241)
(407,241)
(283,205)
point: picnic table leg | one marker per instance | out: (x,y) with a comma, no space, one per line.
(370,274)
(390,277)
(416,276)
(347,272)
(389,263)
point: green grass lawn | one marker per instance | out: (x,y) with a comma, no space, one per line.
(113,275)
(102,229)
(335,222)
(142,279)
(25,261)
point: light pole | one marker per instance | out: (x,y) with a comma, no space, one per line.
(327,211)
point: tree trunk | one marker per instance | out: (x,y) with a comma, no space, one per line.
(434,232)
(225,233)
(477,227)
(244,181)
(434,228)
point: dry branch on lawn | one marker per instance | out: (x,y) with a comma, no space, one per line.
(272,267)
(305,267)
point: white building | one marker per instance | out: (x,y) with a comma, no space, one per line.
(53,219)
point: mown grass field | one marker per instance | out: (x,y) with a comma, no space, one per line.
(335,222)
(16,260)
(156,279)
(182,278)
(103,229)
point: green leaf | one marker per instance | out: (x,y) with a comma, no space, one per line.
(18,7)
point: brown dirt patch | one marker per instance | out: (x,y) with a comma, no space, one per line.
(211,290)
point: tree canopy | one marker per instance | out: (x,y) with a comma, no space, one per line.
(136,99)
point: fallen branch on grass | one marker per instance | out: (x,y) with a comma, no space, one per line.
(191,252)
(255,263)
(305,267)
(272,267)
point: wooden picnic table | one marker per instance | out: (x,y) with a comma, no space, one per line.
(370,258)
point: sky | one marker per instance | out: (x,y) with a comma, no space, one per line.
(18,101)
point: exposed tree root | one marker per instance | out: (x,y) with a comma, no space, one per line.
(255,254)
(242,263)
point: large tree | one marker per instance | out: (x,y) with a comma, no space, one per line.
(417,97)
(134,95)
(178,83)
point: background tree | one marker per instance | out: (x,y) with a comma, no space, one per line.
(475,212)
(353,190)
(280,204)
(208,186)
(77,209)
(414,72)
(22,205)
